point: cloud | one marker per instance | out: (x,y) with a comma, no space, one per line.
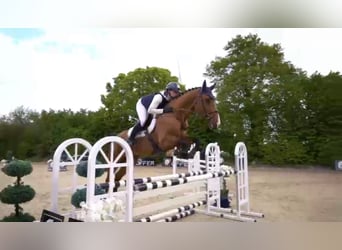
(15,74)
(69,69)
(314,49)
(46,73)
(19,34)
(64,69)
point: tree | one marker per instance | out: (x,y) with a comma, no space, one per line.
(18,132)
(323,102)
(122,95)
(245,77)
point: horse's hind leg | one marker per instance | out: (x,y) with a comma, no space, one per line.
(120,173)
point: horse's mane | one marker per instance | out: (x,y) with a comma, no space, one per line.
(186,91)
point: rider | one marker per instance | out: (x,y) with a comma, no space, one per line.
(151,105)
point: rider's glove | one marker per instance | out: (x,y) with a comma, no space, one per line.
(167,109)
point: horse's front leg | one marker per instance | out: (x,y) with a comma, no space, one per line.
(187,141)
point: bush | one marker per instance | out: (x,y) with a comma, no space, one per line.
(284,152)
(26,217)
(82,169)
(18,192)
(81,195)
(18,168)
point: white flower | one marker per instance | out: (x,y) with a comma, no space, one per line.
(226,168)
(110,209)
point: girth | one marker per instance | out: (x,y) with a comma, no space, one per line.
(156,148)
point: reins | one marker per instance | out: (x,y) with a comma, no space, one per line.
(207,115)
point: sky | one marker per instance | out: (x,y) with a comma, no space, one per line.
(69,68)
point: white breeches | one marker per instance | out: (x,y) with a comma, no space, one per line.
(142,113)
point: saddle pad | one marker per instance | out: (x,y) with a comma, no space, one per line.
(150,129)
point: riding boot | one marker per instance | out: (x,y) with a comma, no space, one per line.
(136,129)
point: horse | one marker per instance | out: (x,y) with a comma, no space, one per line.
(171,128)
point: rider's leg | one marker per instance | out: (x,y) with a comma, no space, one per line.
(142,115)
(148,121)
(136,129)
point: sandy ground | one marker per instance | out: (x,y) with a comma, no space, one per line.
(283,195)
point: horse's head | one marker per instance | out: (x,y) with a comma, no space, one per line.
(206,106)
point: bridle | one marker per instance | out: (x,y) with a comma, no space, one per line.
(207,115)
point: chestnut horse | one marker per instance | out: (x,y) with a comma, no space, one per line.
(170,128)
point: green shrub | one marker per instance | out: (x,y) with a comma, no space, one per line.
(18,168)
(82,169)
(17,193)
(26,217)
(81,195)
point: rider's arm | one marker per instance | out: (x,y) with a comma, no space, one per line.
(152,109)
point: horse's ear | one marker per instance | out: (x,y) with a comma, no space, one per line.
(204,86)
(212,86)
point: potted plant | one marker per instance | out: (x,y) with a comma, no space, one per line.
(17,193)
(224,192)
(224,202)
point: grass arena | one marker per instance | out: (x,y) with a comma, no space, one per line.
(282,194)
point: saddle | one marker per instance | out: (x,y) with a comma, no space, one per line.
(142,133)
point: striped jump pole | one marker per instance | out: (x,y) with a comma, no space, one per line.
(178,181)
(123,183)
(226,215)
(234,211)
(172,212)
(177,216)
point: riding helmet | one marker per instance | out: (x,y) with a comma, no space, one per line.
(172,86)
